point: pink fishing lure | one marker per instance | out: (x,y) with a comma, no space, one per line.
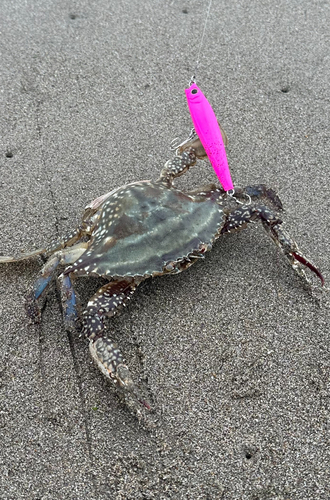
(207,129)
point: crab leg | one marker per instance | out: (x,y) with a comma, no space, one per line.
(69,302)
(106,354)
(67,240)
(258,192)
(178,166)
(291,250)
(244,214)
(34,298)
(39,289)
(7,258)
(105,303)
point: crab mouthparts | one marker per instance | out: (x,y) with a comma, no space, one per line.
(305,262)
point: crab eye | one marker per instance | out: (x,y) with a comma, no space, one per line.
(194,91)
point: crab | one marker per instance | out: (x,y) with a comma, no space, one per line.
(146,229)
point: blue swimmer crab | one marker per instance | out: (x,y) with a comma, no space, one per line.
(147,229)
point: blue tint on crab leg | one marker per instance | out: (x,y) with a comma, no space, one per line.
(69,302)
(33,299)
(41,284)
(39,290)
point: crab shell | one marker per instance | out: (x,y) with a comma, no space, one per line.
(148,229)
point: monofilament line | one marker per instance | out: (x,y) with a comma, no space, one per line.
(193,78)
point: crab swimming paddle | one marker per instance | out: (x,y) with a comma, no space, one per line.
(207,129)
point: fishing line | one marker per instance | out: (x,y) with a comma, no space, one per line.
(193,78)
(206,125)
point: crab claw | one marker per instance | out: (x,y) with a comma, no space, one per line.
(109,360)
(305,262)
(126,383)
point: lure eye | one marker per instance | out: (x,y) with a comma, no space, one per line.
(194,91)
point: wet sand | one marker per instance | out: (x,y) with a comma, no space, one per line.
(233,353)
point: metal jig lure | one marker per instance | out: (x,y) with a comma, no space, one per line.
(206,124)
(208,130)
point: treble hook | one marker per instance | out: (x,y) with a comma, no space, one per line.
(174,144)
(231,193)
